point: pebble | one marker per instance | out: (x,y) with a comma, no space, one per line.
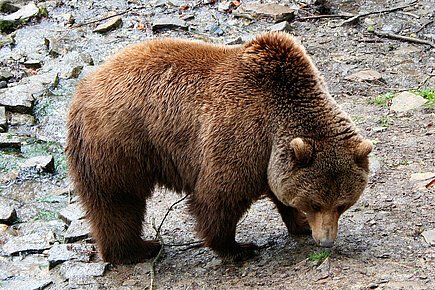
(71,269)
(406,101)
(44,163)
(109,25)
(216,30)
(9,141)
(224,6)
(281,26)
(33,63)
(365,75)
(429,236)
(64,252)
(72,213)
(78,230)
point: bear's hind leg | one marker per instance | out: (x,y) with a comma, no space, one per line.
(116,223)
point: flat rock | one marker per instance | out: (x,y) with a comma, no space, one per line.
(406,101)
(28,284)
(38,241)
(110,24)
(8,214)
(422,176)
(281,26)
(375,164)
(429,236)
(72,213)
(365,75)
(5,75)
(71,269)
(7,40)
(19,98)
(65,252)
(18,119)
(277,11)
(9,141)
(26,12)
(3,120)
(44,163)
(78,230)
(7,7)
(169,22)
(225,6)
(33,63)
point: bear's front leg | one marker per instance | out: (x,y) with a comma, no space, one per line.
(295,220)
(216,222)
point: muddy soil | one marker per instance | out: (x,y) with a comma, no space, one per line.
(380,242)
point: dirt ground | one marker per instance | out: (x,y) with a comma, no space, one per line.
(380,242)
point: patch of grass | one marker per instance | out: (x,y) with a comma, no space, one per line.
(382,100)
(386,121)
(319,256)
(428,94)
(46,215)
(358,120)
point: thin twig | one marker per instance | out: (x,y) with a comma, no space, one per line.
(185,244)
(356,17)
(423,26)
(100,19)
(323,16)
(404,38)
(153,263)
(425,80)
(167,213)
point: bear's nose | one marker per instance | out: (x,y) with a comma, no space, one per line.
(326,244)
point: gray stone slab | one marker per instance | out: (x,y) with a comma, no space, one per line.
(28,284)
(44,163)
(71,269)
(34,242)
(20,97)
(9,141)
(7,213)
(72,213)
(65,252)
(78,230)
(169,22)
(26,12)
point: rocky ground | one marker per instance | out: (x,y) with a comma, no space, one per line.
(386,85)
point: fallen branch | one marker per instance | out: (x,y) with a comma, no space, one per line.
(356,17)
(167,213)
(404,38)
(100,19)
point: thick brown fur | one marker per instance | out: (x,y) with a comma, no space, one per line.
(215,122)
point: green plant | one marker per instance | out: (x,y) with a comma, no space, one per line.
(46,215)
(428,94)
(319,256)
(358,120)
(382,100)
(386,121)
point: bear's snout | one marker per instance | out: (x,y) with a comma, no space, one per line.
(324,227)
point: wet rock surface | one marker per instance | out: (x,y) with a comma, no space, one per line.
(385,240)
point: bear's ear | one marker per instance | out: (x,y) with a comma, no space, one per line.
(302,150)
(362,151)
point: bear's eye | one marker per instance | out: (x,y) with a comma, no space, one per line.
(316,207)
(341,208)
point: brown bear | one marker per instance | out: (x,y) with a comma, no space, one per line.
(224,124)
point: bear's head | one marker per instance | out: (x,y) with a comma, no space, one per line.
(320,179)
